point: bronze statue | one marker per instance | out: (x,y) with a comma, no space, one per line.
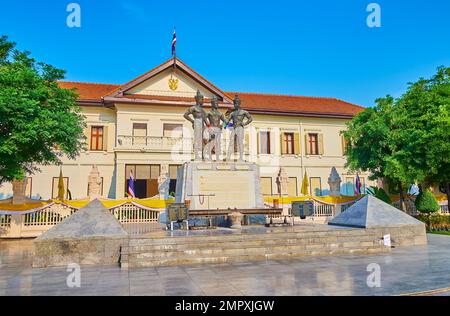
(198,122)
(214,121)
(239,118)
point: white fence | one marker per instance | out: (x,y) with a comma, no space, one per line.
(324,210)
(131,214)
(34,224)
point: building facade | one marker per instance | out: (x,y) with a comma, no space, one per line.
(139,127)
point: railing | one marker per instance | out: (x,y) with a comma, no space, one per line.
(34,224)
(161,144)
(5,220)
(323,210)
(444,209)
(50,216)
(131,214)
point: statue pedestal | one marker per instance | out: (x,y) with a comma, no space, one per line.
(236,220)
(219,185)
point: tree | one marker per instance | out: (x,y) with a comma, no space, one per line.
(423,113)
(39,121)
(371,147)
(426,203)
(406,140)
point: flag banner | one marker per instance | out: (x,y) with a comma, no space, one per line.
(358,185)
(131,186)
(174,43)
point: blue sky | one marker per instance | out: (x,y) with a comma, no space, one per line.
(316,48)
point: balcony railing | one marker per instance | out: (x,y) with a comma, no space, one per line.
(159,144)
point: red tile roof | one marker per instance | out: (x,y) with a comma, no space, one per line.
(89,91)
(297,104)
(256,102)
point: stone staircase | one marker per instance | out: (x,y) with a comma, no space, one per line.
(169,251)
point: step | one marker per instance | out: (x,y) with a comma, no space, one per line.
(245,237)
(232,251)
(250,258)
(246,243)
(200,249)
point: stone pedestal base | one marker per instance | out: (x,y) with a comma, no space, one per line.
(219,185)
(236,220)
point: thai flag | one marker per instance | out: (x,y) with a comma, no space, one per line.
(174,43)
(358,185)
(131,186)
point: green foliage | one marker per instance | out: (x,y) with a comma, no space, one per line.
(379,193)
(39,122)
(368,137)
(426,202)
(406,140)
(435,222)
(422,129)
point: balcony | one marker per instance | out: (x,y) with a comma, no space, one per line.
(154,144)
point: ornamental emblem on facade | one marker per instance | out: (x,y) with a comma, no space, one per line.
(173,84)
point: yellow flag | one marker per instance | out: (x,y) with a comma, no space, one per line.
(61,191)
(305,184)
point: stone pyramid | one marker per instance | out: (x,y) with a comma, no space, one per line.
(371,212)
(94,220)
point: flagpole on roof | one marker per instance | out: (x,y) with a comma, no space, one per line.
(174,48)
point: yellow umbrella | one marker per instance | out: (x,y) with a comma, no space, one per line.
(305,184)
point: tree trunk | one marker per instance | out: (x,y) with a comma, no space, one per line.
(402,198)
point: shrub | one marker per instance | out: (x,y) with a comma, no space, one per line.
(436,221)
(427,204)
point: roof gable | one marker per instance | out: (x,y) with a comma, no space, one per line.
(157,83)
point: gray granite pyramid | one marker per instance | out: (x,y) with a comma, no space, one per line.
(91,236)
(94,220)
(371,212)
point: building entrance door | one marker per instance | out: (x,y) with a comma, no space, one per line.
(146,180)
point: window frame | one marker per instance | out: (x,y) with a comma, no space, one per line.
(268,145)
(97,137)
(140,126)
(311,188)
(289,143)
(178,125)
(313,151)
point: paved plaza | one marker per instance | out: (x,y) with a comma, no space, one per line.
(404,270)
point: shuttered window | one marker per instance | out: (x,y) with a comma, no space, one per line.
(314,144)
(96,138)
(290,143)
